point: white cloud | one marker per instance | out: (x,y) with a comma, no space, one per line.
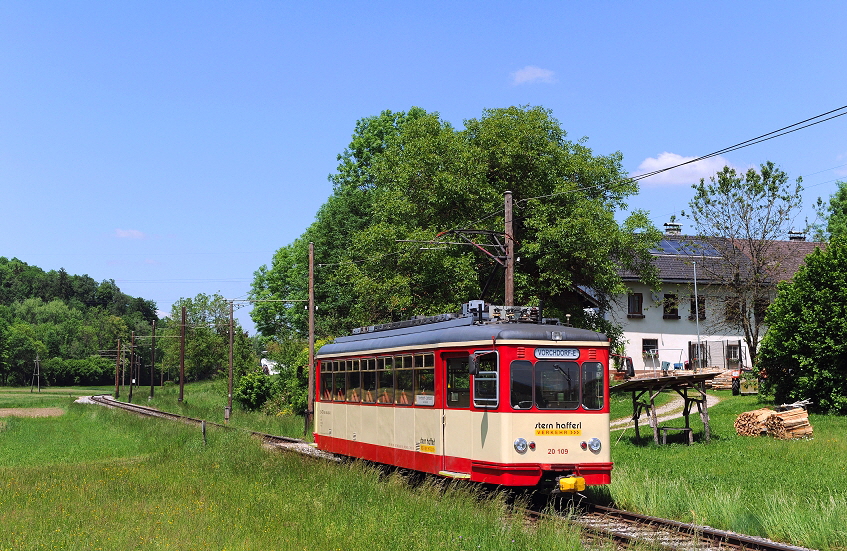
(129,234)
(530,74)
(685,175)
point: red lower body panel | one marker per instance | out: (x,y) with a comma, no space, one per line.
(505,474)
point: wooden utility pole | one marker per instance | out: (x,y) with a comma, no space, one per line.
(152,359)
(228,410)
(118,371)
(310,406)
(132,369)
(510,251)
(182,357)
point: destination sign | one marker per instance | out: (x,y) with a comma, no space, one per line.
(557,353)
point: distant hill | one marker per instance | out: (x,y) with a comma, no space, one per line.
(66,321)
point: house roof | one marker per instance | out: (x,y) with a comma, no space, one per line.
(677,256)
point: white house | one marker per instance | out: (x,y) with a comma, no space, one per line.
(663,329)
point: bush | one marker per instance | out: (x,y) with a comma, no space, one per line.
(802,354)
(253,390)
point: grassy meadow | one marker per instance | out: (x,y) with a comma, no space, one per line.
(96,478)
(789,490)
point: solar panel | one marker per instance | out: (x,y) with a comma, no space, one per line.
(686,247)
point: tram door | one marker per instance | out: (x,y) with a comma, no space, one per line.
(457,414)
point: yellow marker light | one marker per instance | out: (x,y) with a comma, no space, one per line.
(572,484)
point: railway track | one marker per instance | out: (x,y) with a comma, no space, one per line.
(599,523)
(282,442)
(629,528)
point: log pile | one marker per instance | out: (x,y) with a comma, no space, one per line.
(790,424)
(752,423)
(785,425)
(721,382)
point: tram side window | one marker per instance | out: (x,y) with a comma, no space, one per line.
(592,385)
(521,388)
(404,377)
(354,380)
(486,381)
(424,380)
(338,380)
(385,373)
(326,381)
(557,385)
(369,381)
(458,383)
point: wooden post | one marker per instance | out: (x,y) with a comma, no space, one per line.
(228,410)
(510,252)
(310,406)
(118,371)
(131,364)
(182,357)
(153,359)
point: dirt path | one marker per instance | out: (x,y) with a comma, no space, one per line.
(671,410)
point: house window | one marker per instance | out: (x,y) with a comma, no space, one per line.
(650,347)
(698,308)
(636,304)
(732,310)
(671,307)
(733,352)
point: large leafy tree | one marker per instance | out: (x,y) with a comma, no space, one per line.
(804,354)
(832,216)
(746,217)
(406,178)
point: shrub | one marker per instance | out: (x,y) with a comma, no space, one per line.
(253,390)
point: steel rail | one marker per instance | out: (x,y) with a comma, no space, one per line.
(672,534)
(107,400)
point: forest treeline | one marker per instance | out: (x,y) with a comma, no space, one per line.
(64,320)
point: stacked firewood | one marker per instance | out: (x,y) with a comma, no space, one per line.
(752,423)
(790,424)
(721,382)
(785,425)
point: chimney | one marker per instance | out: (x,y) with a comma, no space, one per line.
(672,228)
(796,235)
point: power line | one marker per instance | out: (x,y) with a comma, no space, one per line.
(817,119)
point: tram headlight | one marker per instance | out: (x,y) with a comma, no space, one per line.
(594,445)
(521,445)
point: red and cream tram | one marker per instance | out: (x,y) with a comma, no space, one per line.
(493,395)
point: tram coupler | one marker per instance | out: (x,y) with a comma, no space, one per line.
(570,484)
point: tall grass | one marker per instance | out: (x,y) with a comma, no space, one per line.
(793,491)
(102,479)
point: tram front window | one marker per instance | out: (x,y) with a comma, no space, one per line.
(521,393)
(557,385)
(593,388)
(486,381)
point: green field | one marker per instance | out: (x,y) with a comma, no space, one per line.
(97,478)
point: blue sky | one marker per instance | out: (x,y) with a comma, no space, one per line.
(174,146)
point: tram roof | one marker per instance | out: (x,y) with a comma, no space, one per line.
(456,332)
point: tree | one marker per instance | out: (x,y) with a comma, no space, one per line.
(206,338)
(408,177)
(804,353)
(746,218)
(832,216)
